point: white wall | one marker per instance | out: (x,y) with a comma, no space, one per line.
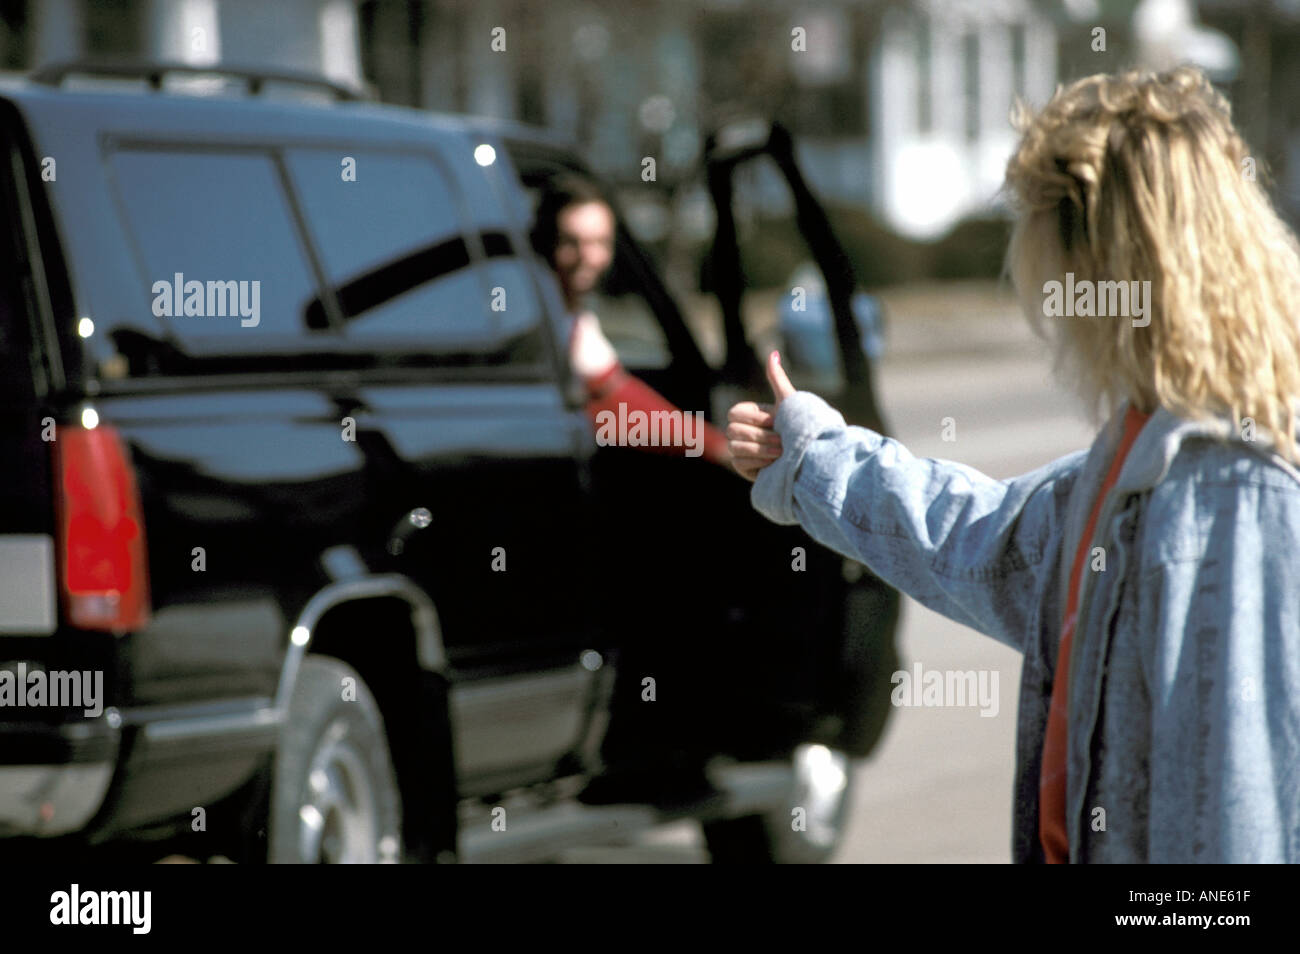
(928,180)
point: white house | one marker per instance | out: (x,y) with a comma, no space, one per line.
(942,80)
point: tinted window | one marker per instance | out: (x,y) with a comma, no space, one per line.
(395,205)
(21,370)
(394,252)
(633,330)
(220,220)
(514,299)
(625,315)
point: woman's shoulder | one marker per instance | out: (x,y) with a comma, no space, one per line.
(1219,491)
(1233,464)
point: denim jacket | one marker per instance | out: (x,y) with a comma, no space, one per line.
(1184,697)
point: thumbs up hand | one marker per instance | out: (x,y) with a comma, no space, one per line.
(781,385)
(751,437)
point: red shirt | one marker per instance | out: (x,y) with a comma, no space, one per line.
(1051,781)
(609,385)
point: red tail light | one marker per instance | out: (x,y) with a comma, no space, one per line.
(104,570)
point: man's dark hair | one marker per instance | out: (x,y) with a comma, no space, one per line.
(558,194)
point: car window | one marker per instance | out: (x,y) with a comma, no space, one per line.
(221,260)
(372,210)
(393,249)
(21,371)
(513,299)
(633,330)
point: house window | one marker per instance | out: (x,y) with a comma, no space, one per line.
(971,63)
(113,28)
(1018,59)
(924,84)
(15,27)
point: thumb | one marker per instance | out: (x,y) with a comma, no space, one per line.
(781,385)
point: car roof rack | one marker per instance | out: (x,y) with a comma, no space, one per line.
(54,74)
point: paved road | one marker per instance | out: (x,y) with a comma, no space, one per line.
(939,787)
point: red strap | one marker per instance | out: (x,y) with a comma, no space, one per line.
(1052,830)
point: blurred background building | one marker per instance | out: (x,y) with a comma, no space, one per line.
(900,107)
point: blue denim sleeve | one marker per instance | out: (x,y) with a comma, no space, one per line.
(976,549)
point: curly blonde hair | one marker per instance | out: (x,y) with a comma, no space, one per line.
(1141,177)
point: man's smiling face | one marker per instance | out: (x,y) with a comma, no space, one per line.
(584,246)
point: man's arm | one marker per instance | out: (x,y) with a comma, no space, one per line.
(609,384)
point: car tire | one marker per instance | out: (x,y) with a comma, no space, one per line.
(334,794)
(823,794)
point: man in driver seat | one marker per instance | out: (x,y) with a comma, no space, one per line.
(574,232)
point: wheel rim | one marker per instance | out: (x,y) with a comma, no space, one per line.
(338,820)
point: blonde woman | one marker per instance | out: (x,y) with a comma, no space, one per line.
(1159,711)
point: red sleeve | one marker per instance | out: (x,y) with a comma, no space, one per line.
(616,387)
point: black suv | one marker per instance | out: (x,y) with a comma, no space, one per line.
(300,494)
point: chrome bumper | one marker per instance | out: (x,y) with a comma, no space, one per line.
(51,799)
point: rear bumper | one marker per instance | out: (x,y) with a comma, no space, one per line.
(54,778)
(137,766)
(51,800)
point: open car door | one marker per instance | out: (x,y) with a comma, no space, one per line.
(725,151)
(759,639)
